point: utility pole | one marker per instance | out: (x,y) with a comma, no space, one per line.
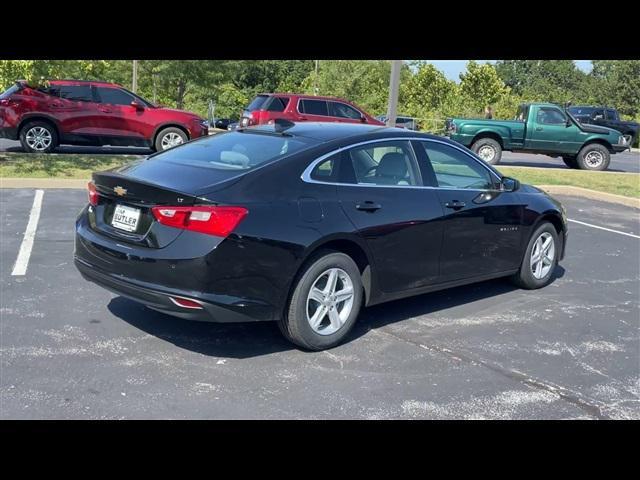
(394,87)
(134,79)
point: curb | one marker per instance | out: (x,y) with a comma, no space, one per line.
(592,194)
(43,183)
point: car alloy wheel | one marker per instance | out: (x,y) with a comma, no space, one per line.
(170,140)
(330,301)
(38,138)
(487,153)
(542,255)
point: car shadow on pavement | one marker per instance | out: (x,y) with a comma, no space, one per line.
(384,314)
(232,340)
(254,339)
(560,166)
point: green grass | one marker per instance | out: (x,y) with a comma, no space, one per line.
(24,165)
(627,184)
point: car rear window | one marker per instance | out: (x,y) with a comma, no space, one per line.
(233,151)
(257,102)
(11,90)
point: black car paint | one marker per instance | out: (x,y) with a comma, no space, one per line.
(411,245)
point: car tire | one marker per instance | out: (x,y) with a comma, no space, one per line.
(318,326)
(488,150)
(38,137)
(532,275)
(168,138)
(593,156)
(571,162)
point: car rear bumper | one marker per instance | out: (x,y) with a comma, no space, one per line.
(160,298)
(9,132)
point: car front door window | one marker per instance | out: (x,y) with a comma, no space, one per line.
(455,169)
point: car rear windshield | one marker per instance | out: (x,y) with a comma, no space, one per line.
(11,90)
(233,151)
(257,102)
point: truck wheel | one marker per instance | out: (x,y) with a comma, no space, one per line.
(488,150)
(593,157)
(570,162)
(38,137)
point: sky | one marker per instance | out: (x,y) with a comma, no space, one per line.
(453,68)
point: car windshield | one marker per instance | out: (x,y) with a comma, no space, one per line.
(11,90)
(240,150)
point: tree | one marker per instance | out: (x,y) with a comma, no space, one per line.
(365,82)
(481,85)
(426,91)
(617,83)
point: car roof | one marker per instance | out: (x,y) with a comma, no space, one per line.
(327,131)
(97,83)
(303,95)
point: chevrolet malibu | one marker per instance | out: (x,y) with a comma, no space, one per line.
(305,224)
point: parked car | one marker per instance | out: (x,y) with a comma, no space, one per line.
(542,128)
(402,122)
(267,107)
(75,112)
(223,123)
(233,126)
(305,223)
(606,117)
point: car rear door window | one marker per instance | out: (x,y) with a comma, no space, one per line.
(612,115)
(454,169)
(386,163)
(76,93)
(342,110)
(327,170)
(278,104)
(114,96)
(314,107)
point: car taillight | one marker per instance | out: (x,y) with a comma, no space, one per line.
(212,220)
(93,194)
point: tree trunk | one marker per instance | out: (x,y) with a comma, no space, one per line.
(182,87)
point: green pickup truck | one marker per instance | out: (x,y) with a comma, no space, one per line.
(543,128)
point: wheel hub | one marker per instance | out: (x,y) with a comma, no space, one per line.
(330,301)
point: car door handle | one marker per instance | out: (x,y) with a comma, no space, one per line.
(368,206)
(105,110)
(55,104)
(456,205)
(539,129)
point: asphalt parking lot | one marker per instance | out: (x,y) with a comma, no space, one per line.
(621,162)
(71,350)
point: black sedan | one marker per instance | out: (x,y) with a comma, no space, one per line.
(304,224)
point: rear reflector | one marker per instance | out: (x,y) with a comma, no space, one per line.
(212,220)
(186,303)
(93,194)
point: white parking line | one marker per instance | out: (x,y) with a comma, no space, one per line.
(603,228)
(20,267)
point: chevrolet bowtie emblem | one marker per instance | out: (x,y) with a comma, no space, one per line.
(120,191)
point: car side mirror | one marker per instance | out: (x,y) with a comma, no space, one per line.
(137,105)
(568,123)
(508,184)
(363,119)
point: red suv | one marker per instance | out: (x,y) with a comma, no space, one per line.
(91,113)
(267,107)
